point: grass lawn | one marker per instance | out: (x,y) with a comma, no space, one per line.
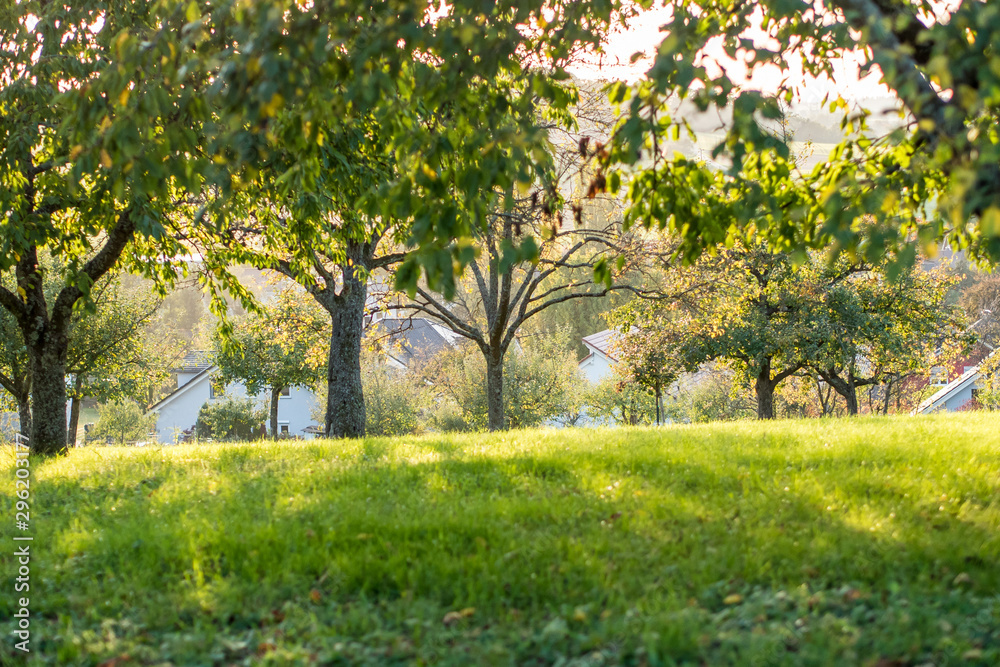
(871,541)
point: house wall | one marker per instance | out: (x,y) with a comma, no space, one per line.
(959,398)
(184,378)
(596,367)
(181,412)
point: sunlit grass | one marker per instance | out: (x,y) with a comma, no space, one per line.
(801,542)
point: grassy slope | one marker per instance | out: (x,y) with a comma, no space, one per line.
(804,542)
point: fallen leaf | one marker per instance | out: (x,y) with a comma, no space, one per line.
(735,598)
(315,595)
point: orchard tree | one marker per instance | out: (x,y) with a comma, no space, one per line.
(397,162)
(113,352)
(875,331)
(128,129)
(97,148)
(648,352)
(755,316)
(274,348)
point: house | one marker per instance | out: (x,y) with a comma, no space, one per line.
(958,394)
(410,339)
(601,361)
(178,411)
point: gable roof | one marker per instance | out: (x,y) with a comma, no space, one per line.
(602,342)
(155,407)
(946,392)
(415,337)
(195,361)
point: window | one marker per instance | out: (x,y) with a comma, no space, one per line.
(939,376)
(286,392)
(215,391)
(975,394)
(283,428)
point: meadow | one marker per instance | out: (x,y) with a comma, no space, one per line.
(869,541)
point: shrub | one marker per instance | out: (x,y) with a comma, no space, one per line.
(123,421)
(232,419)
(541,383)
(392,398)
(618,400)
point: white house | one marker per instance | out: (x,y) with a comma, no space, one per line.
(601,361)
(178,411)
(411,339)
(956,394)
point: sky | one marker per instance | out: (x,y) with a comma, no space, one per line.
(643,35)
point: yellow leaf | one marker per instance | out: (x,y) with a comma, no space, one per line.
(20,290)
(75,151)
(106,160)
(429,173)
(735,598)
(123,97)
(990,222)
(274,105)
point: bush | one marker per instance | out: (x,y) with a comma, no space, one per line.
(541,383)
(232,419)
(123,421)
(392,398)
(618,400)
(713,396)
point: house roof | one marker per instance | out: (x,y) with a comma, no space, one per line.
(181,389)
(415,337)
(602,342)
(946,392)
(195,361)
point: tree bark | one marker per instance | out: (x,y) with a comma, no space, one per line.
(494,390)
(275,396)
(74,412)
(24,415)
(764,388)
(48,413)
(345,402)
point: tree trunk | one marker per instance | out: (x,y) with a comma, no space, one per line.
(345,401)
(658,393)
(494,391)
(24,415)
(48,389)
(764,388)
(275,396)
(845,387)
(74,412)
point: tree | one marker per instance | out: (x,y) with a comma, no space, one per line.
(940,70)
(128,130)
(231,419)
(271,350)
(95,155)
(617,399)
(873,331)
(123,420)
(15,371)
(112,352)
(544,383)
(648,351)
(755,316)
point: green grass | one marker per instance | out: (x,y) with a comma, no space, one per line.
(866,541)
